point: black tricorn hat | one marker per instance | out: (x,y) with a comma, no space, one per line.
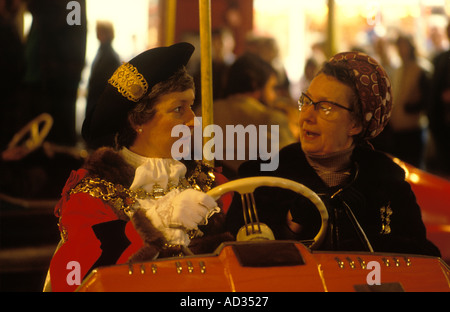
(127,86)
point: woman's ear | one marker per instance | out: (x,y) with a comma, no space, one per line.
(134,126)
(355,129)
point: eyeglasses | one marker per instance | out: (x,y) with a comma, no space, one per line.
(327,109)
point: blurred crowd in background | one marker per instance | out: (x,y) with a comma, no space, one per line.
(50,67)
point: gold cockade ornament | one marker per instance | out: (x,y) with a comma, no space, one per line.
(129,82)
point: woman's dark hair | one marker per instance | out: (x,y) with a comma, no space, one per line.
(144,110)
(247,74)
(347,77)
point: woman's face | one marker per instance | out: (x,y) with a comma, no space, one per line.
(321,136)
(172,109)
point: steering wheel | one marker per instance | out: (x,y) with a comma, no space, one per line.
(247,186)
(37,130)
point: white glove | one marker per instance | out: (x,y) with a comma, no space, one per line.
(179,211)
(191,208)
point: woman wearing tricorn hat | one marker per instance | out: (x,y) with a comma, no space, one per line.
(370,205)
(131,201)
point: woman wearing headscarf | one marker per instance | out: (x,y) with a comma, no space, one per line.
(370,205)
(131,201)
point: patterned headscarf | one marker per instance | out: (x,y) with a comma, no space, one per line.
(373,90)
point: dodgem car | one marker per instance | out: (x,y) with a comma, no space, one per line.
(256,262)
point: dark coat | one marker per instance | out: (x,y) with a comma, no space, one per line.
(377,185)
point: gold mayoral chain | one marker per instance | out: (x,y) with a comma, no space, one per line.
(122,198)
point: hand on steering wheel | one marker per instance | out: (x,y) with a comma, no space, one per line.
(247,186)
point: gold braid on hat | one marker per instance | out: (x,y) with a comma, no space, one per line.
(129,82)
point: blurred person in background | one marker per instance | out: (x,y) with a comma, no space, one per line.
(411,87)
(439,113)
(267,49)
(105,63)
(55,57)
(249,92)
(222,46)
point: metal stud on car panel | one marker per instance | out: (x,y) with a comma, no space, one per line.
(179,267)
(351,262)
(362,263)
(339,262)
(202,267)
(190,267)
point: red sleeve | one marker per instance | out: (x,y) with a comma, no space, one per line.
(79,214)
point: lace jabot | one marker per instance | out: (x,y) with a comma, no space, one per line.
(165,179)
(151,172)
